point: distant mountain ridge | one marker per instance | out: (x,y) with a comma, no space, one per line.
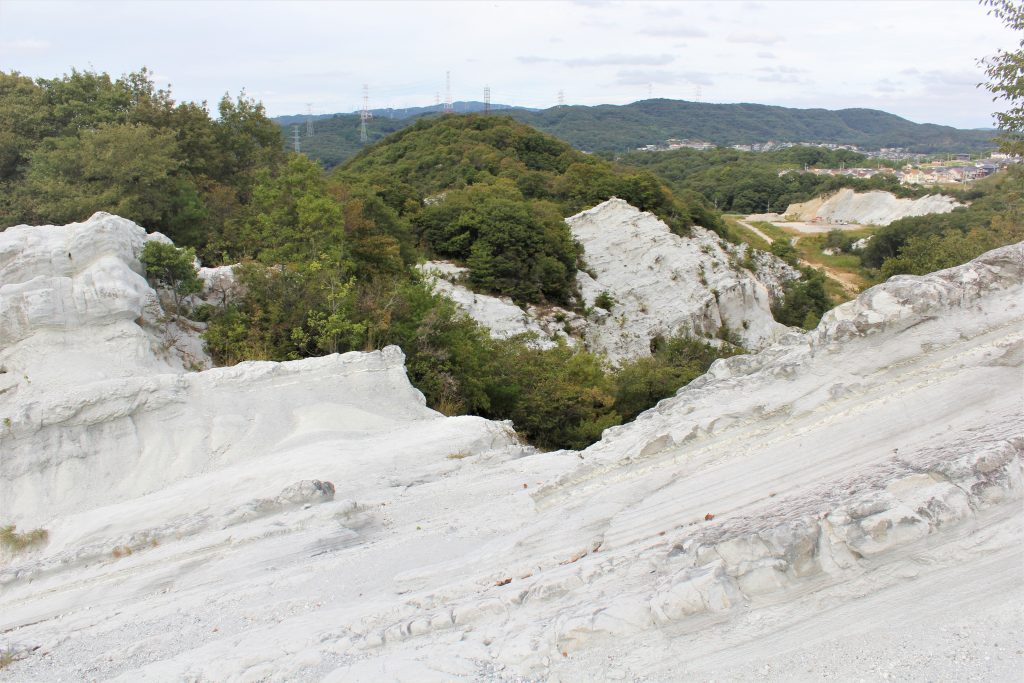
(609,127)
(460,107)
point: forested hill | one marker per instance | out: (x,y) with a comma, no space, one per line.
(336,137)
(616,128)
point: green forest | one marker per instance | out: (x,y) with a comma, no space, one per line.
(327,256)
(753,182)
(620,128)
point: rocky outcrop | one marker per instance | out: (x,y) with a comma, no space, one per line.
(96,398)
(663,284)
(870,208)
(854,490)
(500,315)
(660,284)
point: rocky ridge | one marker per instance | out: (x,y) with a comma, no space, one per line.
(500,315)
(851,491)
(661,285)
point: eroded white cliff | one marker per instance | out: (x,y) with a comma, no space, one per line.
(500,315)
(845,502)
(663,284)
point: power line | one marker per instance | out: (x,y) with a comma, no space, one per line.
(365,114)
(448,108)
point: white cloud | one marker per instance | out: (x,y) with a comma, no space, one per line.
(676,32)
(662,77)
(755,38)
(606,60)
(25,45)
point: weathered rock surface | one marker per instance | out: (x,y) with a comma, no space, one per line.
(95,398)
(500,315)
(663,284)
(871,208)
(844,504)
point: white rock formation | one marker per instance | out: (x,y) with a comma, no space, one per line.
(870,208)
(500,315)
(78,290)
(96,403)
(220,285)
(843,505)
(663,284)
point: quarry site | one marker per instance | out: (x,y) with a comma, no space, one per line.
(455,342)
(839,504)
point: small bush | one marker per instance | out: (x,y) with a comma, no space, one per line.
(11,540)
(605,300)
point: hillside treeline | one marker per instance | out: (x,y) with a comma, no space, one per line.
(619,128)
(84,142)
(327,258)
(753,182)
(624,127)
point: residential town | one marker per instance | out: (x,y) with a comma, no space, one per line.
(917,169)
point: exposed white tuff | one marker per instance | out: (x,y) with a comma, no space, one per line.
(663,284)
(500,315)
(842,505)
(873,208)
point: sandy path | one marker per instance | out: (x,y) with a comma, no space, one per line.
(756,231)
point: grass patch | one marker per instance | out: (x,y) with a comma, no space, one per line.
(16,542)
(810,249)
(772,230)
(744,234)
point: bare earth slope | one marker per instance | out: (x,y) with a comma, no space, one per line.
(874,208)
(846,503)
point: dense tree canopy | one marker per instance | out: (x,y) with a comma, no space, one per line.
(1005,72)
(754,182)
(84,142)
(492,193)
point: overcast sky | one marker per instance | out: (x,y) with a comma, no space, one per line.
(914,59)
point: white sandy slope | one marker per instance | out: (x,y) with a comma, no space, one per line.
(864,481)
(873,208)
(664,284)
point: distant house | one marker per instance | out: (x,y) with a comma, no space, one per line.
(912,177)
